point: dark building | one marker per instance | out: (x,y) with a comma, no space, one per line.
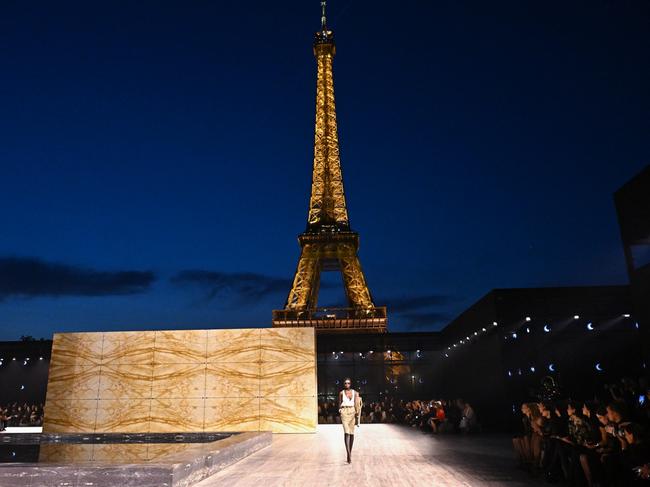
(24,367)
(633,209)
(497,352)
(396,364)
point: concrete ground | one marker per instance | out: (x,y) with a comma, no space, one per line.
(383,455)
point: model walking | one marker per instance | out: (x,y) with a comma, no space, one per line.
(350,410)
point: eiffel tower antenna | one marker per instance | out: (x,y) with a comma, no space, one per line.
(328,243)
(323,19)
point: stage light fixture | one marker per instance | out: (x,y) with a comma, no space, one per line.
(476,333)
(551,367)
(636,325)
(509,374)
(483,329)
(22,387)
(527,330)
(527,318)
(514,335)
(494,323)
(576,317)
(532,369)
(599,367)
(626,315)
(547,329)
(590,326)
(40,358)
(447,355)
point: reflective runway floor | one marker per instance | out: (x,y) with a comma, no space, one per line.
(383,455)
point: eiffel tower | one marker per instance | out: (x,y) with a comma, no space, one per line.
(328,243)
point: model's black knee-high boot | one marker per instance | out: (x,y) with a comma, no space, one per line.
(347,446)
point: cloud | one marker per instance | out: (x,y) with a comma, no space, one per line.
(403,304)
(31,277)
(244,286)
(419,312)
(430,320)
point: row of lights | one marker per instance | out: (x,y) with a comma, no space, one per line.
(468,338)
(528,319)
(25,361)
(547,328)
(418,354)
(551,368)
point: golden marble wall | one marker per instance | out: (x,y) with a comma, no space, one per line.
(251,379)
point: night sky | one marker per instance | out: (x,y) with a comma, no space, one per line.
(156,156)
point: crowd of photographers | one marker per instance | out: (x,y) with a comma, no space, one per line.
(437,416)
(594,443)
(15,414)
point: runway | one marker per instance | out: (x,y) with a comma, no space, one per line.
(383,455)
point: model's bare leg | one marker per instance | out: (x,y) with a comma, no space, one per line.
(351,443)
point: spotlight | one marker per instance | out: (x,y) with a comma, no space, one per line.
(532,369)
(527,330)
(527,318)
(25,362)
(447,355)
(576,317)
(636,325)
(494,323)
(475,333)
(467,338)
(448,348)
(333,353)
(483,329)
(509,374)
(599,367)
(590,326)
(371,351)
(514,335)
(461,342)
(388,352)
(519,371)
(547,329)
(551,367)
(626,315)
(40,358)
(13,358)
(22,387)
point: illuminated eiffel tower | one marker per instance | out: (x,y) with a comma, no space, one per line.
(328,244)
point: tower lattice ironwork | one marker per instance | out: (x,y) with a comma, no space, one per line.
(328,243)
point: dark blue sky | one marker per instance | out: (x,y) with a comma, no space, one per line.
(481,143)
